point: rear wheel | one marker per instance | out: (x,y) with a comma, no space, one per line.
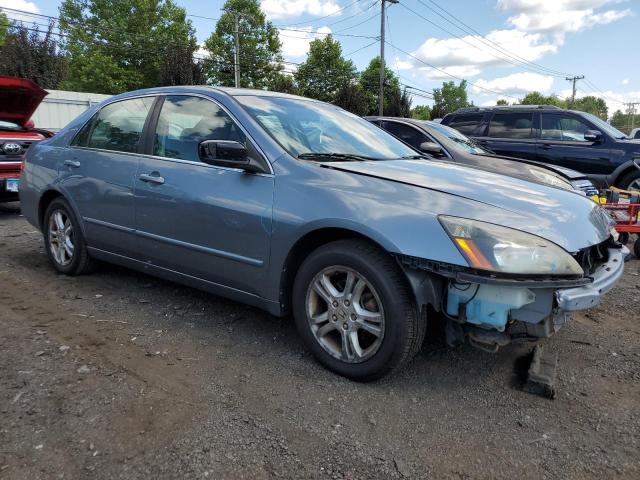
(354,310)
(63,239)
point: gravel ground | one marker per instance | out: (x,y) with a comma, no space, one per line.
(120,375)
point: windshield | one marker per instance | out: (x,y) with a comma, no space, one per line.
(604,126)
(305,127)
(457,139)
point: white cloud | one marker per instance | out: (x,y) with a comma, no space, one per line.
(558,17)
(447,73)
(277,9)
(470,53)
(514,84)
(295,43)
(625,81)
(23,5)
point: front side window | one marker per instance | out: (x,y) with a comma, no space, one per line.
(185,122)
(406,133)
(511,125)
(306,126)
(118,126)
(466,124)
(562,128)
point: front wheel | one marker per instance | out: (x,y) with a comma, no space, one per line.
(631,181)
(354,310)
(63,239)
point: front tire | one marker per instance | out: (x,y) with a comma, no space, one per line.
(63,239)
(354,310)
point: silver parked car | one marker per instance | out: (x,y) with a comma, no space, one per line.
(297,206)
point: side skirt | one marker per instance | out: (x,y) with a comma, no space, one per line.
(221,290)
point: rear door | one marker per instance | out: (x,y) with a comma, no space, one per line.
(98,172)
(511,134)
(202,220)
(562,143)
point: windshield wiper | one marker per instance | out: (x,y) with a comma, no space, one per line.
(340,157)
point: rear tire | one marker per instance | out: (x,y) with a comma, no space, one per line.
(63,239)
(631,181)
(354,310)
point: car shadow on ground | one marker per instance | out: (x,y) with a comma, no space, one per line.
(10,209)
(197,316)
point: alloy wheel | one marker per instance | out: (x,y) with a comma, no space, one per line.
(345,314)
(61,237)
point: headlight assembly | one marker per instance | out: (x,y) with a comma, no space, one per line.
(505,250)
(549,178)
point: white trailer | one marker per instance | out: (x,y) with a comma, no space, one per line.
(60,107)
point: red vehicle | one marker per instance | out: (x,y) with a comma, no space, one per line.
(19,98)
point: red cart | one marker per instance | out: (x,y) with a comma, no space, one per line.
(626,217)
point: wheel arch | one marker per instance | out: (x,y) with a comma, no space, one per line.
(621,171)
(314,239)
(49,196)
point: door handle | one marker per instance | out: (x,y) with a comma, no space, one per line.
(72,163)
(546,146)
(152,178)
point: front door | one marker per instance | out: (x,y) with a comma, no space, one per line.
(98,173)
(209,222)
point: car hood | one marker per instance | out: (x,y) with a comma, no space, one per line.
(19,98)
(526,170)
(564,217)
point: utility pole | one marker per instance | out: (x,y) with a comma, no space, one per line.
(381,87)
(574,79)
(631,120)
(236,51)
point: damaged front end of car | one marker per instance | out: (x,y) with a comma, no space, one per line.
(518,286)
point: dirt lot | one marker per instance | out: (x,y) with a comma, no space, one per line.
(120,375)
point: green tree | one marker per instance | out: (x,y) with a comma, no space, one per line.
(260,54)
(537,98)
(30,53)
(449,98)
(421,112)
(285,83)
(351,96)
(119,45)
(623,121)
(502,102)
(4,26)
(594,105)
(325,70)
(396,101)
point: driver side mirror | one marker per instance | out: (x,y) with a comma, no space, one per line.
(593,136)
(431,147)
(227,153)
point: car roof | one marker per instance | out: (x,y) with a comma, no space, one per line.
(230,91)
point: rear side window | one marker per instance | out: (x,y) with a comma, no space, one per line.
(186,121)
(466,124)
(406,133)
(118,126)
(511,125)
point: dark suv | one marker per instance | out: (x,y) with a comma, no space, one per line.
(549,134)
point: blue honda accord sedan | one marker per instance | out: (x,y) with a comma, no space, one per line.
(299,207)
